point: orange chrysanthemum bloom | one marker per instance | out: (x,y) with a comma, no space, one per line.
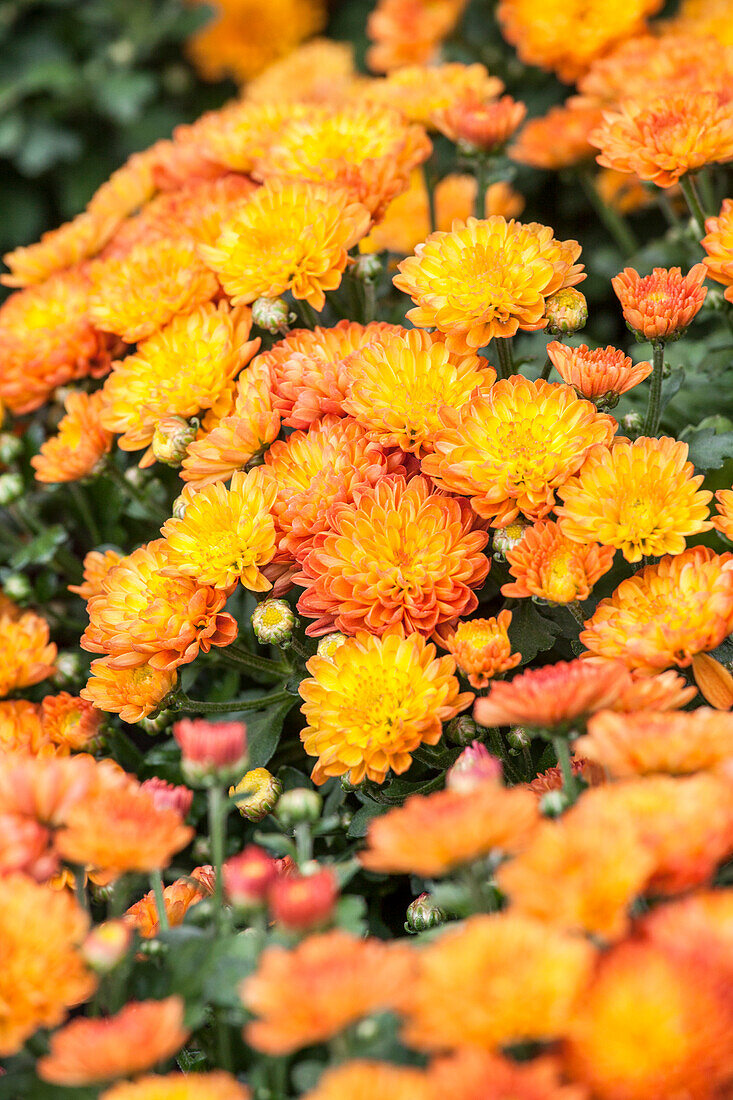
(146,615)
(361,1080)
(20,727)
(319,71)
(486,278)
(97,564)
(418,91)
(179,371)
(660,306)
(232,138)
(485,126)
(87,1051)
(292,235)
(549,565)
(704,18)
(598,375)
(26,654)
(78,448)
(46,788)
(494,980)
(640,497)
(699,925)
(554,697)
(510,450)
(664,691)
(399,557)
(481,648)
(723,521)
(47,340)
(718,243)
(133,693)
(626,193)
(430,835)
(666,613)
(662,139)
(673,743)
(216,1085)
(478,1075)
(69,722)
(329,464)
(122,830)
(399,383)
(227,534)
(326,983)
(369,151)
(558,139)
(409,32)
(41,970)
(178,897)
(567,37)
(25,846)
(373,702)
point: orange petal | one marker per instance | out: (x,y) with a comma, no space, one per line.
(713,680)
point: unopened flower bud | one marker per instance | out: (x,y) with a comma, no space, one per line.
(171,439)
(248,878)
(273,622)
(16,586)
(179,505)
(256,794)
(169,796)
(506,538)
(106,946)
(553,803)
(518,739)
(11,488)
(211,752)
(632,425)
(368,268)
(301,804)
(566,312)
(271,314)
(301,903)
(68,668)
(461,730)
(157,723)
(11,447)
(329,643)
(423,914)
(473,767)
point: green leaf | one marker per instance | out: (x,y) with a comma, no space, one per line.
(361,819)
(263,733)
(39,550)
(708,451)
(123,95)
(230,960)
(530,632)
(351,914)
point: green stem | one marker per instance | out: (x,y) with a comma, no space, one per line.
(217,809)
(688,189)
(576,611)
(203,706)
(307,313)
(495,742)
(614,223)
(85,512)
(481,173)
(80,888)
(303,843)
(569,782)
(298,648)
(370,301)
(545,372)
(428,178)
(654,403)
(131,491)
(156,882)
(505,357)
(223,1043)
(277,669)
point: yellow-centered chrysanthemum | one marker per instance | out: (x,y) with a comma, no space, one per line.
(718,243)
(486,278)
(547,564)
(26,654)
(80,444)
(418,91)
(640,497)
(373,702)
(133,693)
(227,534)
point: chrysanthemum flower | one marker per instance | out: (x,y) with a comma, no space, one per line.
(494,980)
(293,235)
(178,898)
(216,1085)
(326,983)
(478,1075)
(627,193)
(42,972)
(704,18)
(25,846)
(662,139)
(226,534)
(97,564)
(566,38)
(558,139)
(20,727)
(373,702)
(432,834)
(406,33)
(79,446)
(598,374)
(45,788)
(481,647)
(481,125)
(554,697)
(47,339)
(87,1051)
(666,613)
(640,497)
(718,243)
(362,1080)
(26,654)
(549,565)
(723,521)
(510,450)
(234,137)
(660,306)
(664,691)
(369,151)
(686,924)
(399,383)
(672,743)
(400,556)
(320,71)
(133,693)
(486,278)
(69,722)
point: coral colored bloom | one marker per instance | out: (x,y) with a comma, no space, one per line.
(248,877)
(723,521)
(493,981)
(211,745)
(510,450)
(671,743)
(640,498)
(555,697)
(660,306)
(178,898)
(362,1080)
(69,722)
(87,1051)
(25,845)
(20,727)
(97,564)
(398,385)
(558,139)
(599,374)
(477,1075)
(664,691)
(406,34)
(481,648)
(666,613)
(133,693)
(486,279)
(168,795)
(46,788)
(313,992)
(216,1085)
(301,903)
(292,235)
(662,139)
(78,448)
(432,834)
(547,564)
(400,557)
(718,243)
(26,654)
(373,702)
(473,767)
(484,126)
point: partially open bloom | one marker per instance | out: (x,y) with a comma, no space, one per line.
(168,795)
(718,243)
(328,982)
(371,704)
(432,834)
(26,654)
(178,898)
(558,139)
(473,767)
(673,743)
(547,564)
(69,722)
(407,33)
(666,613)
(481,647)
(481,125)
(486,279)
(211,749)
(256,794)
(248,877)
(215,1085)
(599,374)
(79,446)
(373,569)
(87,1051)
(510,449)
(292,235)
(133,693)
(660,306)
(301,903)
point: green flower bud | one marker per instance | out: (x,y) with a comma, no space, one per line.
(423,914)
(518,739)
(273,622)
(553,803)
(632,425)
(11,447)
(11,488)
(461,730)
(272,314)
(368,268)
(17,587)
(171,439)
(301,804)
(566,312)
